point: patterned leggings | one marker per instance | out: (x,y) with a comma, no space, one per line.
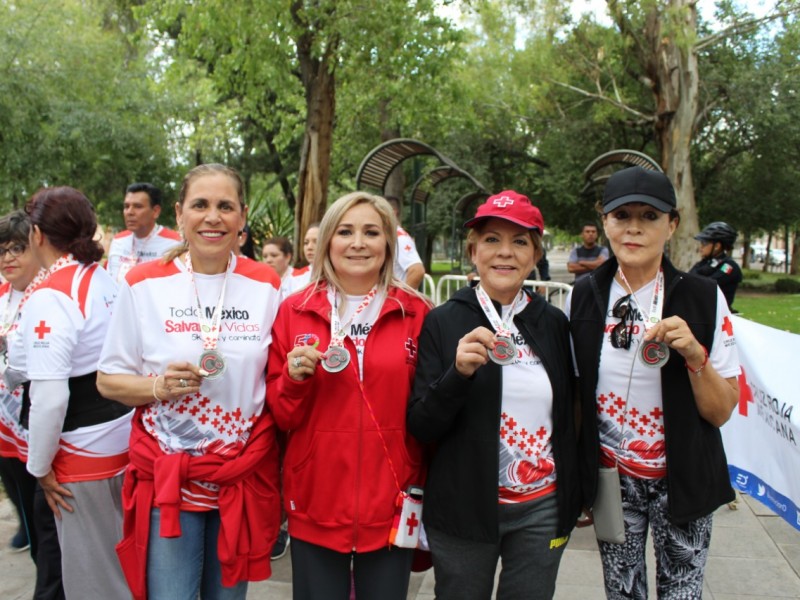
(681,550)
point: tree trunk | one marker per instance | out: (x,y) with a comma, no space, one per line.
(319,82)
(746,251)
(795,253)
(673,71)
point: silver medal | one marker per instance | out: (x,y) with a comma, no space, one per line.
(213,363)
(505,350)
(654,354)
(336,359)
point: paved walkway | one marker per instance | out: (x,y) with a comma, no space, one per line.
(754,555)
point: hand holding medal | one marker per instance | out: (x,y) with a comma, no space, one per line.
(653,351)
(181,379)
(473,350)
(302,361)
(504,350)
(673,332)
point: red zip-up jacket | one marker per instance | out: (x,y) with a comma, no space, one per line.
(339,487)
(249,506)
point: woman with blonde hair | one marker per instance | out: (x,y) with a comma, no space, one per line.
(188,347)
(339,377)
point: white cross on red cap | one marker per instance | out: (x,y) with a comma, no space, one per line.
(503,201)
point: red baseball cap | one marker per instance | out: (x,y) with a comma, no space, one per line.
(511,206)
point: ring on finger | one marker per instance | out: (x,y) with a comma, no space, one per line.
(183,382)
(298,360)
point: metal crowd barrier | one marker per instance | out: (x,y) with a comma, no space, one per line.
(555,291)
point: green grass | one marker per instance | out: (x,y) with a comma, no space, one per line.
(781,311)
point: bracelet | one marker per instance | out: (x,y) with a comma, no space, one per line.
(155,382)
(701,367)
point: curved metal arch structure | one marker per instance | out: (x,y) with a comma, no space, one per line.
(374,170)
(424,186)
(627,158)
(378,164)
(459,208)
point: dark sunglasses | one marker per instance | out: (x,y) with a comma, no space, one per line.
(621,333)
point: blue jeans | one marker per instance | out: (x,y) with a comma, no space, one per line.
(180,568)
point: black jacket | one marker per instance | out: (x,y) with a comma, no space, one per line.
(461,416)
(697,469)
(722,269)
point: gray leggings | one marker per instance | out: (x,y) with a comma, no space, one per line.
(528,547)
(681,550)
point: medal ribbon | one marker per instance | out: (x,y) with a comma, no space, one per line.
(339,331)
(656,302)
(499,325)
(209,331)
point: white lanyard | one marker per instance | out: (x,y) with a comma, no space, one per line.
(8,321)
(209,330)
(339,331)
(499,325)
(656,302)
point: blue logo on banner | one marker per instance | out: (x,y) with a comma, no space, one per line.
(751,485)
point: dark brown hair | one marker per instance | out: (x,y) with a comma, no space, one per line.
(66,217)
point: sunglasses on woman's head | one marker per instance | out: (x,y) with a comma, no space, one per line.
(621,333)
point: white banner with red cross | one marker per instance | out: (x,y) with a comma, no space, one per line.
(761,438)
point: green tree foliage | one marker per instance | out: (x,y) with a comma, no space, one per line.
(76,107)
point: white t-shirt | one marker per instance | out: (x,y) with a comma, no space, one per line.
(622,375)
(156,322)
(526,469)
(296,281)
(127,250)
(13,436)
(405,254)
(61,331)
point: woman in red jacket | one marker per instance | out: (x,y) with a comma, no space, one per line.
(342,361)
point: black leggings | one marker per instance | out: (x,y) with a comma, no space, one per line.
(20,486)
(322,574)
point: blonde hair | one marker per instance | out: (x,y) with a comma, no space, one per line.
(196,173)
(322,270)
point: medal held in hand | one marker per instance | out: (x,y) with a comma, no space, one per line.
(336,359)
(505,349)
(213,363)
(653,354)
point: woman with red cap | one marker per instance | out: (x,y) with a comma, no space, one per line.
(494,393)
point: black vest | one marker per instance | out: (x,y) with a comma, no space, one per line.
(697,469)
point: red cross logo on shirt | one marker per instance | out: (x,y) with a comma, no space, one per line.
(411,348)
(503,201)
(42,330)
(727,326)
(412,523)
(408,248)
